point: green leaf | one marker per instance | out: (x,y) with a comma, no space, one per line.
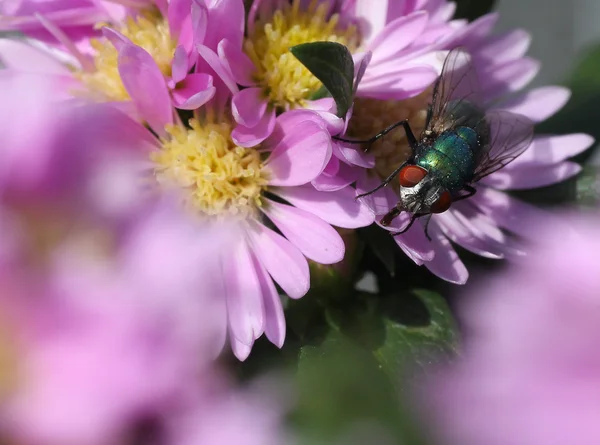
(419,330)
(471,9)
(364,367)
(400,331)
(332,64)
(588,187)
(340,386)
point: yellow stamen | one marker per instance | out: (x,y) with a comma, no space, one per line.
(371,116)
(286,82)
(149,31)
(220,177)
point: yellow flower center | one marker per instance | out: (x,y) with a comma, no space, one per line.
(371,116)
(220,177)
(149,31)
(286,82)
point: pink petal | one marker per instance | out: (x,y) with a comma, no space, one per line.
(316,239)
(19,56)
(179,11)
(456,227)
(446,264)
(505,47)
(244,294)
(443,13)
(248,106)
(538,104)
(486,229)
(300,156)
(345,176)
(507,212)
(415,244)
(397,85)
(475,31)
(332,167)
(528,177)
(225,21)
(241,66)
(374,19)
(284,262)
(240,349)
(380,202)
(220,68)
(199,21)
(116,38)
(274,317)
(288,122)
(509,77)
(361,63)
(249,137)
(338,208)
(180,67)
(353,154)
(397,35)
(146,85)
(57,32)
(193,92)
(546,150)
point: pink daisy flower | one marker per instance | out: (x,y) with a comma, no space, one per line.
(478,223)
(161,41)
(250,186)
(260,188)
(529,369)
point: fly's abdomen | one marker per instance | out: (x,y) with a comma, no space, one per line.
(450,157)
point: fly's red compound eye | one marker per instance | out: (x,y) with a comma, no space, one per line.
(411,175)
(443,203)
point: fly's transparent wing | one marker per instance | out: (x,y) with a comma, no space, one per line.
(510,135)
(456,98)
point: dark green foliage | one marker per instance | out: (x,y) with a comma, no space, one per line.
(332,64)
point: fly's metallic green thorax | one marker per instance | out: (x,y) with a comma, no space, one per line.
(451,157)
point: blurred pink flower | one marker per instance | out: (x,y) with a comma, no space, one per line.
(111,302)
(476,223)
(102,343)
(529,369)
(76,18)
(100,66)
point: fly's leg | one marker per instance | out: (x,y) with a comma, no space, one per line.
(385,182)
(427,227)
(389,216)
(429,116)
(412,140)
(412,220)
(470,192)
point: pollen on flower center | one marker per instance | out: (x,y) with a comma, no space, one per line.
(220,178)
(149,31)
(286,82)
(371,116)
